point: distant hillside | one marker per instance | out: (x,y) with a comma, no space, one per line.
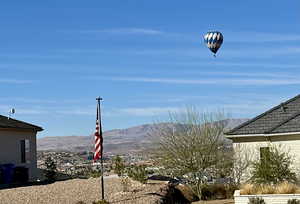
(119,141)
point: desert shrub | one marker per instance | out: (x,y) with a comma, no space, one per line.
(138,173)
(94,174)
(256,200)
(84,172)
(118,165)
(101,202)
(50,172)
(274,167)
(206,193)
(126,184)
(230,188)
(293,201)
(217,191)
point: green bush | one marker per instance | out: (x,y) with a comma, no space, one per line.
(84,172)
(274,166)
(50,172)
(95,174)
(256,200)
(138,173)
(293,201)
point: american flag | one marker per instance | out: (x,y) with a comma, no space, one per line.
(98,137)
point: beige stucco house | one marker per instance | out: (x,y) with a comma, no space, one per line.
(18,144)
(278,126)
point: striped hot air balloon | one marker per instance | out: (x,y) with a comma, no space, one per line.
(213,40)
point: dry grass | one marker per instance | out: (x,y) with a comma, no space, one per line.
(248,189)
(287,188)
(265,189)
(282,188)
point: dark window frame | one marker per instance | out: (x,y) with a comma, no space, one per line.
(23,151)
(264,154)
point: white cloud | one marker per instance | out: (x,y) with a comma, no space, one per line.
(41,100)
(180,52)
(76,112)
(4,109)
(232,64)
(212,81)
(126,31)
(258,37)
(150,111)
(229,36)
(24,111)
(33,55)
(29,100)
(245,74)
(142,111)
(15,81)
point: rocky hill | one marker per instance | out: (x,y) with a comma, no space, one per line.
(119,141)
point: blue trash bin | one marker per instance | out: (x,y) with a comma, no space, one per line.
(8,172)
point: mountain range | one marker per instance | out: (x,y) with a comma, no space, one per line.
(119,141)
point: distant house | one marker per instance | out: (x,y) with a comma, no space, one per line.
(18,145)
(278,126)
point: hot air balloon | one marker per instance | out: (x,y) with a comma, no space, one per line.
(213,40)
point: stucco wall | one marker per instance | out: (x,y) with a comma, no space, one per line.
(268,198)
(10,149)
(249,146)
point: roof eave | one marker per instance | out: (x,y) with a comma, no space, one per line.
(261,135)
(37,129)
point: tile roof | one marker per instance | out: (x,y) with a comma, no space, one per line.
(17,124)
(284,118)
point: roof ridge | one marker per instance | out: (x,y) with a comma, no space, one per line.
(19,121)
(283,122)
(261,115)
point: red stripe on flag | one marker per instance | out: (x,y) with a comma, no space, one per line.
(98,138)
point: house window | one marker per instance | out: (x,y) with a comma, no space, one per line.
(264,154)
(25,151)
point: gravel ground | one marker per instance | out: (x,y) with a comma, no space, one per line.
(87,190)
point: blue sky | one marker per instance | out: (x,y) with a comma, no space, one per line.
(144,58)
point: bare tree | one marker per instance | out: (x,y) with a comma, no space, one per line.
(190,143)
(242,159)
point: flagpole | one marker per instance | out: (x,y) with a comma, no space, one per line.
(101,158)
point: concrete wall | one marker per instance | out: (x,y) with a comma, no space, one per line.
(268,198)
(10,149)
(250,147)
